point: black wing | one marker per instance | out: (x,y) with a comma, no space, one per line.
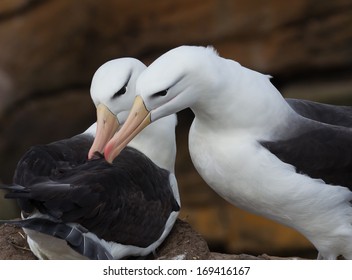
(38,163)
(40,160)
(127,202)
(325,113)
(318,150)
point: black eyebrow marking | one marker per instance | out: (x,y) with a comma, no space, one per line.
(160,93)
(164,92)
(122,90)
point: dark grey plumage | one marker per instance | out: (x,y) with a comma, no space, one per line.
(127,202)
(324,137)
(325,113)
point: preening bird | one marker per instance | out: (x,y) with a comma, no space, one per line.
(289,161)
(78,208)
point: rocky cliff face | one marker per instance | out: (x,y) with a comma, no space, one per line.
(51,48)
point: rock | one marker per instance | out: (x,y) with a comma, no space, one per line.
(13,244)
(10,7)
(48,52)
(219,256)
(183,243)
(60,43)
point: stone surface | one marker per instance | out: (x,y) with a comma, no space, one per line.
(11,7)
(59,43)
(183,243)
(13,244)
(51,48)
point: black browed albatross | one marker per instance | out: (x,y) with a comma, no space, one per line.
(250,146)
(101,210)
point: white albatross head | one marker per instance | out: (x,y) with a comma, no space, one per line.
(112,90)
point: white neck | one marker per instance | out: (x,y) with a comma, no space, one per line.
(238,97)
(158,142)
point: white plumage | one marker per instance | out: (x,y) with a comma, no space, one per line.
(250,146)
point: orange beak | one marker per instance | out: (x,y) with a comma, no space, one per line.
(107,125)
(138,118)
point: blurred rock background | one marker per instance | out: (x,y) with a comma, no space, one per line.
(49,50)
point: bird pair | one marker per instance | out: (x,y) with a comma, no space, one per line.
(288,160)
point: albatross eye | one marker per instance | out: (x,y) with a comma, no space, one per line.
(160,93)
(120,92)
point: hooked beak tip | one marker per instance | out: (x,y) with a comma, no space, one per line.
(107,152)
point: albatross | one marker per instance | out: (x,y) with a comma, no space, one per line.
(251,146)
(74,208)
